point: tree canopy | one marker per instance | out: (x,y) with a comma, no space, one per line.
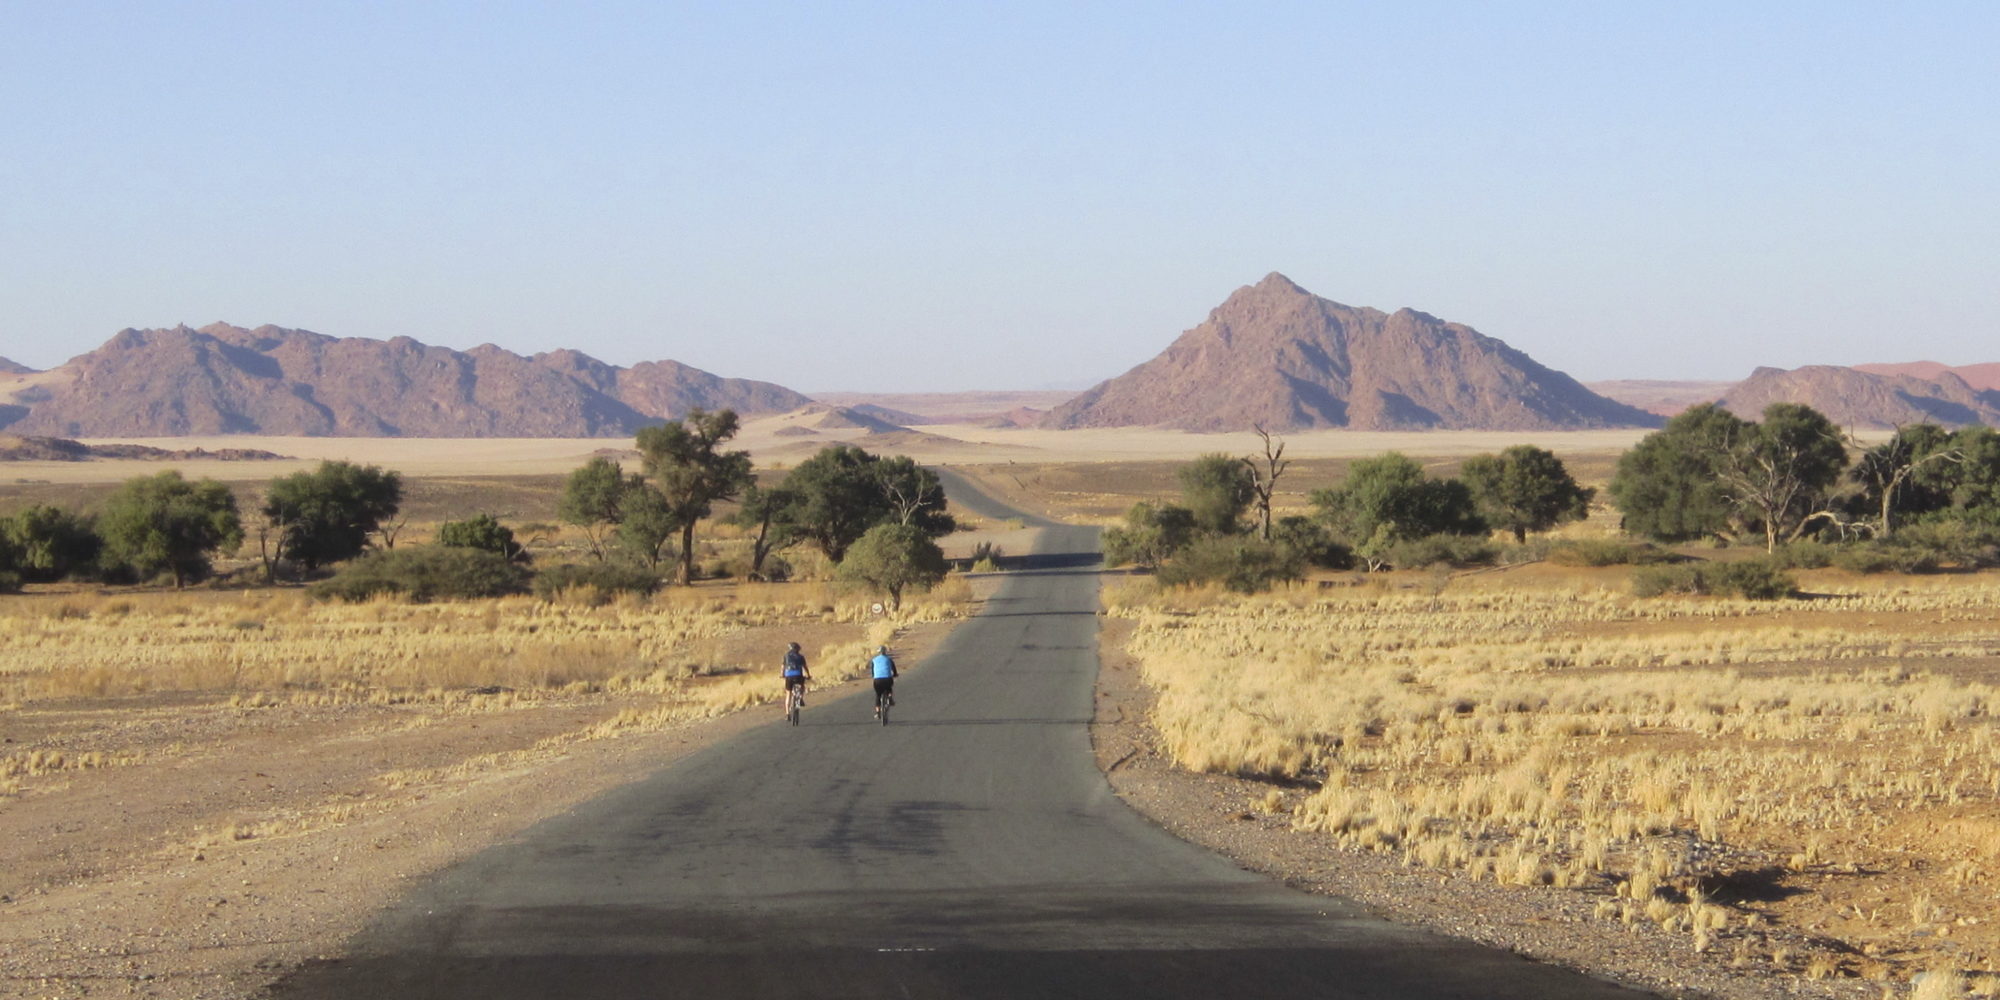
(1523,489)
(893,557)
(1669,486)
(594,499)
(1216,489)
(1709,472)
(328,514)
(164,523)
(685,460)
(842,491)
(1388,499)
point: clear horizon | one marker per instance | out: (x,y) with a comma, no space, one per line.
(891,197)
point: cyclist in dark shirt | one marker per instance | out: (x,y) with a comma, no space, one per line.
(796,672)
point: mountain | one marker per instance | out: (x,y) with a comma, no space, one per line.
(1986,376)
(1278,356)
(224,379)
(9,367)
(1851,397)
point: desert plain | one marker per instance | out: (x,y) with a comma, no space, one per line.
(1699,795)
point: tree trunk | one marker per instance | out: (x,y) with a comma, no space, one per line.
(687,554)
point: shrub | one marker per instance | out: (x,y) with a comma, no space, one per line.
(1313,541)
(1682,578)
(1955,540)
(481,532)
(1244,565)
(1443,550)
(1881,557)
(1805,554)
(1606,552)
(426,573)
(605,578)
(1754,579)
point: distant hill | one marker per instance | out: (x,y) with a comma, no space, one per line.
(9,367)
(223,379)
(1665,398)
(1281,357)
(1983,376)
(15,448)
(1852,397)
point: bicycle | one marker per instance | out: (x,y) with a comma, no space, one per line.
(795,699)
(883,700)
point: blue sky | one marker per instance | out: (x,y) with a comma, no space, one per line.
(949,196)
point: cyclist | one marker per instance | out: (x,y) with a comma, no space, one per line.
(884,668)
(796,673)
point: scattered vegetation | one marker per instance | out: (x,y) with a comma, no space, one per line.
(1709,767)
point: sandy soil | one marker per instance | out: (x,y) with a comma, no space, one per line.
(942,443)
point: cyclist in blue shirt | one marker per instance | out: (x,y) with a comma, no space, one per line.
(884,668)
(796,673)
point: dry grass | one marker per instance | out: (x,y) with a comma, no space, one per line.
(258,645)
(1698,764)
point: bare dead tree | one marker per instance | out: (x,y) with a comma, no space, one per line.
(1264,478)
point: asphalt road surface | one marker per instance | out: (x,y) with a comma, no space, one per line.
(970,849)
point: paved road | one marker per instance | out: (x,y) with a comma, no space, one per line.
(970,849)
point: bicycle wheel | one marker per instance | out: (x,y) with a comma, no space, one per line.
(792,707)
(882,708)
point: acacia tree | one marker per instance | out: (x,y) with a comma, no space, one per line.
(764,513)
(685,461)
(1152,534)
(1388,499)
(1669,486)
(1708,472)
(893,557)
(164,523)
(1783,471)
(1216,489)
(1892,474)
(841,492)
(594,498)
(327,515)
(1523,489)
(647,527)
(50,543)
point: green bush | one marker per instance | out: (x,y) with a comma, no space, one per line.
(482,532)
(1313,542)
(1244,565)
(1879,557)
(426,573)
(1754,579)
(1674,578)
(1805,554)
(1443,550)
(10,582)
(1607,552)
(605,578)
(1955,540)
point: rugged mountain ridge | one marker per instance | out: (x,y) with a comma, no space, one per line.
(1278,356)
(1980,376)
(9,366)
(1857,398)
(223,379)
